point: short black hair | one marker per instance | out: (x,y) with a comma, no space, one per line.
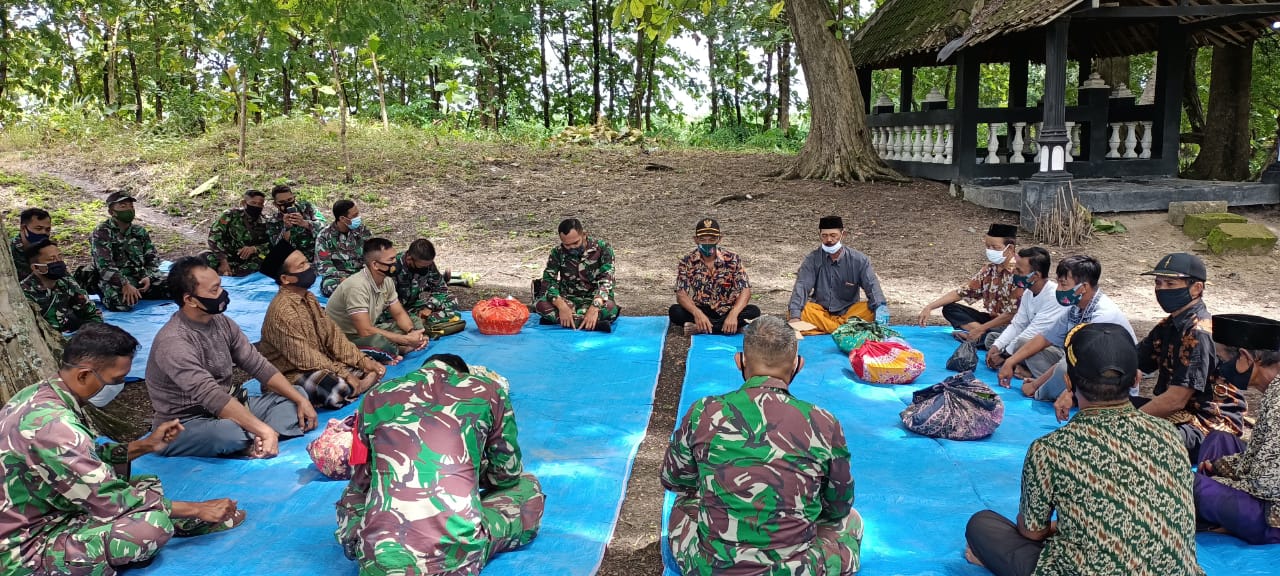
(1081,268)
(1037,258)
(96,343)
(33,250)
(26,216)
(182,277)
(279,189)
(342,208)
(375,245)
(452,360)
(570,224)
(421,249)
(1262,357)
(254,193)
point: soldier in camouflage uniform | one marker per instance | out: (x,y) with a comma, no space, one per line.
(62,302)
(68,505)
(295,220)
(238,239)
(761,477)
(424,290)
(576,289)
(444,465)
(125,258)
(340,246)
(34,225)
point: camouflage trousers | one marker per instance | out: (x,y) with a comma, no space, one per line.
(511,517)
(440,307)
(834,552)
(83,545)
(377,346)
(547,309)
(113,296)
(238,267)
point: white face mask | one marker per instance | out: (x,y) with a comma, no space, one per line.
(833,249)
(996,256)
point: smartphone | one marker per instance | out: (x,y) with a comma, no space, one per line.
(291,210)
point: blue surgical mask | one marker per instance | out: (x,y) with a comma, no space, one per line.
(356,223)
(1068,297)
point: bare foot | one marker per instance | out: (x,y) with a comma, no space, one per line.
(971,557)
(1022,373)
(690,329)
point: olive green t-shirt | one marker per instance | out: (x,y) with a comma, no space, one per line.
(358,294)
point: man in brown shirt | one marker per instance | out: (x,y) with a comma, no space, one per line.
(300,339)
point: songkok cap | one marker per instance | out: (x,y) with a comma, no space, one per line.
(273,265)
(1002,231)
(1095,349)
(1180,265)
(706,226)
(119,196)
(1246,331)
(831,223)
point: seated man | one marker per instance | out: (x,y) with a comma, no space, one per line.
(993,284)
(442,445)
(34,225)
(295,220)
(69,505)
(796,453)
(125,259)
(190,376)
(338,246)
(238,239)
(362,298)
(62,302)
(1037,312)
(1237,487)
(1117,480)
(424,291)
(1188,393)
(827,285)
(1078,292)
(301,341)
(576,289)
(713,293)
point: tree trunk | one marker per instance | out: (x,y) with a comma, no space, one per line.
(1227,148)
(711,76)
(595,60)
(737,81)
(342,107)
(1191,98)
(568,67)
(31,347)
(638,84)
(784,87)
(839,145)
(157,49)
(242,115)
(612,70)
(133,75)
(648,101)
(71,61)
(436,96)
(542,60)
(767,113)
(382,97)
(110,89)
(4,49)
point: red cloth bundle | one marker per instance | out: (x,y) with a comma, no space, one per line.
(500,316)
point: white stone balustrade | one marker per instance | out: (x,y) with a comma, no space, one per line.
(928,143)
(1126,143)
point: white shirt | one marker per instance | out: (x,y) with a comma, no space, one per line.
(1036,313)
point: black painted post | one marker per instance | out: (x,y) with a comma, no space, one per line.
(864,85)
(1040,193)
(1171,67)
(1018,83)
(1272,174)
(965,130)
(906,89)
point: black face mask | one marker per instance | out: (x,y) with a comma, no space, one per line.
(56,270)
(305,278)
(1229,373)
(1173,299)
(214,305)
(254,212)
(574,252)
(390,269)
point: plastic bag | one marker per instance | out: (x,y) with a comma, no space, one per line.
(887,363)
(500,316)
(965,358)
(332,450)
(856,331)
(958,408)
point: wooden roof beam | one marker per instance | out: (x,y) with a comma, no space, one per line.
(1181,11)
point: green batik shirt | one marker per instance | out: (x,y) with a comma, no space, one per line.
(581,277)
(66,306)
(340,254)
(234,230)
(436,439)
(301,238)
(765,469)
(123,256)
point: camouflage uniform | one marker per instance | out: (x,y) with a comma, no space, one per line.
(20,262)
(584,280)
(125,256)
(235,230)
(67,505)
(426,291)
(762,486)
(66,306)
(443,466)
(301,238)
(338,255)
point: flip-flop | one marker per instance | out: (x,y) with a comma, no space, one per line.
(960,335)
(187,527)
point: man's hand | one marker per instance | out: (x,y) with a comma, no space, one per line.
(294,219)
(1206,468)
(306,416)
(589,320)
(415,340)
(924,316)
(265,445)
(247,252)
(730,324)
(224,269)
(145,284)
(130,294)
(704,324)
(566,314)
(364,383)
(216,511)
(1062,406)
(165,433)
(995,359)
(1006,374)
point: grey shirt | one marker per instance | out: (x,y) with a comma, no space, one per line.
(835,285)
(189,371)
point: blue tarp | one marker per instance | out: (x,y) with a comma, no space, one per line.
(915,494)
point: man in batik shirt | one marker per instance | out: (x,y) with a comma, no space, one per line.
(576,289)
(125,259)
(62,302)
(68,504)
(295,220)
(339,247)
(424,290)
(993,284)
(443,464)
(713,293)
(761,477)
(238,239)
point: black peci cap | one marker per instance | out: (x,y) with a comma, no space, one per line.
(1246,331)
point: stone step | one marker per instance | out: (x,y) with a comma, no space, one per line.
(1178,210)
(1200,225)
(1241,238)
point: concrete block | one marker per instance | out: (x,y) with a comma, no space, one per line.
(1200,225)
(1178,210)
(1242,238)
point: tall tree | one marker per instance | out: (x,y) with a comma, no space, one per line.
(31,347)
(595,60)
(1227,146)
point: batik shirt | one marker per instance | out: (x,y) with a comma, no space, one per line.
(436,438)
(123,256)
(417,289)
(587,276)
(1257,470)
(993,284)
(20,262)
(340,254)
(1181,348)
(301,238)
(1119,482)
(234,230)
(766,468)
(56,477)
(718,288)
(66,306)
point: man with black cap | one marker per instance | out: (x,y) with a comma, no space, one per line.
(1237,487)
(300,340)
(713,293)
(1188,392)
(125,260)
(993,284)
(826,290)
(1116,479)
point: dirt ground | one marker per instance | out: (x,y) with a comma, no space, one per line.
(494,208)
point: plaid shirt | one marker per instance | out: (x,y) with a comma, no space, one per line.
(994,285)
(718,287)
